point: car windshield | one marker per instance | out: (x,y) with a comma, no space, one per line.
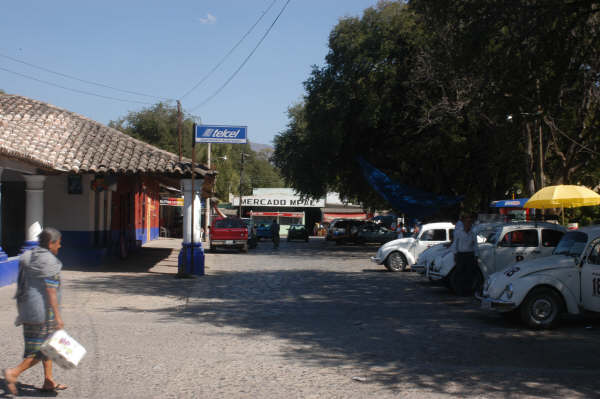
(495,236)
(572,244)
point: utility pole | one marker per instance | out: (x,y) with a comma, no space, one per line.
(179,118)
(241,173)
(207,201)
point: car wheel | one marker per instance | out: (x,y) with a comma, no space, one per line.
(541,308)
(396,262)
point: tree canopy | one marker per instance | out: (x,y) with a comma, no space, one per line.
(450,97)
(157,125)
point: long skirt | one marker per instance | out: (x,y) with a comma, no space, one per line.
(36,334)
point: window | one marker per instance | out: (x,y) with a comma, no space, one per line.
(520,238)
(594,256)
(427,235)
(550,238)
(434,235)
(439,235)
(229,223)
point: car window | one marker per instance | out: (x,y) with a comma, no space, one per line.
(427,235)
(550,238)
(594,256)
(520,238)
(571,244)
(439,235)
(451,231)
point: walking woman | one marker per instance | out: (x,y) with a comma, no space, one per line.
(38,299)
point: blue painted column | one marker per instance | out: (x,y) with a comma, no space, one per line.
(34,209)
(191,245)
(3,255)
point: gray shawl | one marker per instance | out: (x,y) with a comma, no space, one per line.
(35,266)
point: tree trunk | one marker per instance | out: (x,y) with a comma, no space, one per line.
(529,181)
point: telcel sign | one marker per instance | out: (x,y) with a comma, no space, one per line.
(221,134)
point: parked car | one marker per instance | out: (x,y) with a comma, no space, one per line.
(297,232)
(484,231)
(510,243)
(229,233)
(401,253)
(252,238)
(375,233)
(345,230)
(540,290)
(263,230)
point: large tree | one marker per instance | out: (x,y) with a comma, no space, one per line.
(450,97)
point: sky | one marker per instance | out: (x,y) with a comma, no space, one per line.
(163,49)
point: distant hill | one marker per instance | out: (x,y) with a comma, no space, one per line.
(257,147)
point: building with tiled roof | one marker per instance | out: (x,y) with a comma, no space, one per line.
(97,185)
(53,138)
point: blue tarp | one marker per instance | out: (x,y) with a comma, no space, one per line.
(514,203)
(408,200)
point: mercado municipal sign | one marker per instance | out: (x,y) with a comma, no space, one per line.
(280,201)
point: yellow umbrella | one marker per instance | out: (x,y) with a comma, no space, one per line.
(563,196)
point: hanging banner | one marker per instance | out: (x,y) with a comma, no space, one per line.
(221,134)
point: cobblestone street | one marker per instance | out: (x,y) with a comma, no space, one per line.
(310,320)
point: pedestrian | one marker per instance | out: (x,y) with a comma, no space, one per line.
(38,298)
(400,230)
(275,233)
(465,250)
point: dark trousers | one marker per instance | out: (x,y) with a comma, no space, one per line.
(466,273)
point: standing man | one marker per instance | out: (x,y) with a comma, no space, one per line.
(275,233)
(464,280)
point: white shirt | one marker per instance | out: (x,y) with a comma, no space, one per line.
(464,241)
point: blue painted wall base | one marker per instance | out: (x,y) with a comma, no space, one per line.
(9,270)
(185,259)
(27,245)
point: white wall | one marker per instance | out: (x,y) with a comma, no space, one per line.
(71,212)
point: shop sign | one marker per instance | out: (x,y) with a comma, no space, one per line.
(221,134)
(171,201)
(282,202)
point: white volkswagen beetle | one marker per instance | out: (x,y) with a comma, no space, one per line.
(398,254)
(510,243)
(541,289)
(427,257)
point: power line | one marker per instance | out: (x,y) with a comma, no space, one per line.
(71,89)
(230,51)
(81,80)
(245,61)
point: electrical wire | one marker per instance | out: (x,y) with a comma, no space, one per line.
(230,51)
(244,62)
(71,89)
(82,80)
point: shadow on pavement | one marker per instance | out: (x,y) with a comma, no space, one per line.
(397,331)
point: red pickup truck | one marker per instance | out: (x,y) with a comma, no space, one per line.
(229,233)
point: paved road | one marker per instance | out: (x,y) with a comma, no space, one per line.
(299,322)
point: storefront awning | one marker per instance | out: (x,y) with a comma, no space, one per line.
(328,217)
(513,203)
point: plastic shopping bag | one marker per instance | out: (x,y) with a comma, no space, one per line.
(62,349)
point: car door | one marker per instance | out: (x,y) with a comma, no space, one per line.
(515,246)
(590,278)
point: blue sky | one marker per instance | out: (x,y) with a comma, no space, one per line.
(164,48)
